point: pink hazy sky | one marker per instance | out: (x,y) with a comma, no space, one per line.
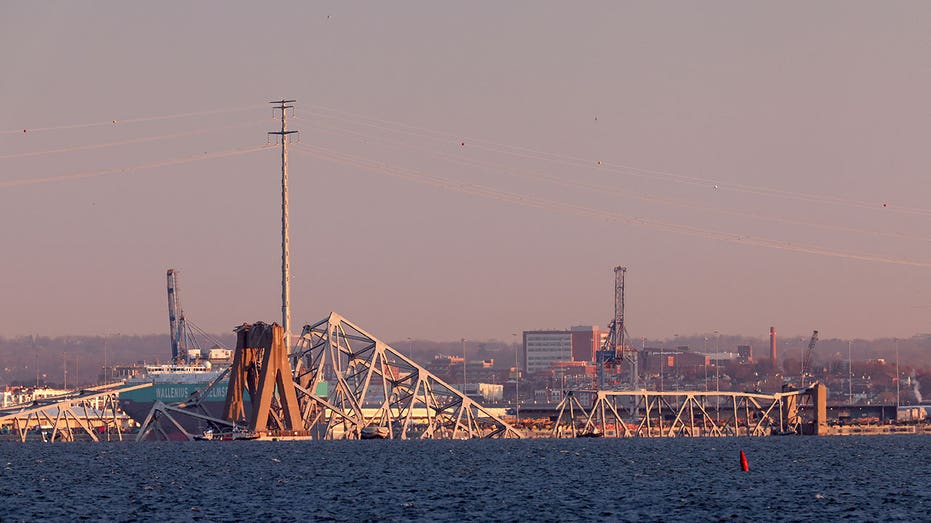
(469,169)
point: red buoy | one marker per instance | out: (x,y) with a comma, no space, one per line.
(744,466)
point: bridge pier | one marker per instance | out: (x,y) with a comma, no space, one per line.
(819,398)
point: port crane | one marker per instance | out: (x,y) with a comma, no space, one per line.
(806,361)
(182,335)
(185,349)
(176,318)
(614,349)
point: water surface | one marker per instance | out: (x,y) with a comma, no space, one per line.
(791,478)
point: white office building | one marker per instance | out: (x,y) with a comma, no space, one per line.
(542,348)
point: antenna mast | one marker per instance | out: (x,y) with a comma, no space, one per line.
(282,105)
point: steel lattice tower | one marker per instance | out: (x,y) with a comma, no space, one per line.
(619,332)
(283,106)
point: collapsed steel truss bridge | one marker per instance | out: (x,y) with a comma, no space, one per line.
(90,414)
(372,391)
(600,413)
(408,401)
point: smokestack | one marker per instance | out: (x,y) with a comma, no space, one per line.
(772,346)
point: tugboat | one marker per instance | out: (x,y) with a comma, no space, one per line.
(235,433)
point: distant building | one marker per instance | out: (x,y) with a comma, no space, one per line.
(585,342)
(542,348)
(719,358)
(685,358)
(25,395)
(654,360)
(574,368)
(547,396)
(745,353)
(491,391)
(484,392)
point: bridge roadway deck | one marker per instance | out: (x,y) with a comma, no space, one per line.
(89,413)
(836,412)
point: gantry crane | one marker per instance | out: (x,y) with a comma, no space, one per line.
(614,349)
(182,339)
(806,361)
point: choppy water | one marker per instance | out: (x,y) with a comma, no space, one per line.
(791,478)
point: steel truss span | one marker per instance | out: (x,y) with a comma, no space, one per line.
(91,414)
(378,392)
(625,414)
(372,392)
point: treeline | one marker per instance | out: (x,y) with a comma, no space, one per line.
(86,356)
(27,359)
(21,357)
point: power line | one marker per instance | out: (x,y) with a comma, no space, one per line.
(26,130)
(628,193)
(604,165)
(608,216)
(124,170)
(147,139)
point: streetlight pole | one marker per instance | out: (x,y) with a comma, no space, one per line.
(662,366)
(717,374)
(897,372)
(463,367)
(801,361)
(516,379)
(705,352)
(35,351)
(717,349)
(849,375)
(640,362)
(107,370)
(675,362)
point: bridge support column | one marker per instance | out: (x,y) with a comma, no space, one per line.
(819,398)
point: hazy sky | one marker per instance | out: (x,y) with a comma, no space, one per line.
(469,168)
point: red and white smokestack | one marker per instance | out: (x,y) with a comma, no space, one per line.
(772,346)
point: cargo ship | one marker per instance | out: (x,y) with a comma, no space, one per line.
(189,372)
(177,383)
(174,384)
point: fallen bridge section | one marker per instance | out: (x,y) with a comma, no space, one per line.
(600,413)
(89,414)
(376,391)
(338,382)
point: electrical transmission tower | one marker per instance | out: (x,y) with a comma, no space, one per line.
(282,105)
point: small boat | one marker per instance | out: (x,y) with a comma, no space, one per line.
(372,432)
(589,434)
(231,435)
